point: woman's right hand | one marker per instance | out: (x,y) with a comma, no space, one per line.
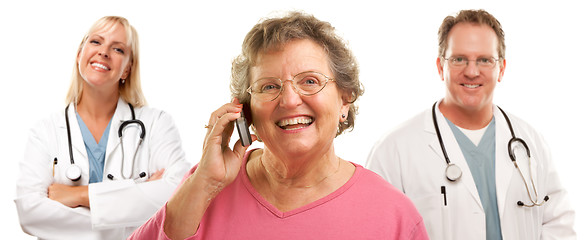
(217,169)
(220,164)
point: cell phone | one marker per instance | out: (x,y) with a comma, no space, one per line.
(243,129)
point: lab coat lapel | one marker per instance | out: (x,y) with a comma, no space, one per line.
(77,141)
(503,164)
(121,113)
(453,152)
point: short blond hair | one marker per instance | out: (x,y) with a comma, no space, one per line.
(131,90)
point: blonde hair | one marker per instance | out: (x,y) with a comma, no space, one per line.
(130,91)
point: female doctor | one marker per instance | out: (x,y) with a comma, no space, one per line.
(103,165)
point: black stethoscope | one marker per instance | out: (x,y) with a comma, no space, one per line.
(74,172)
(453,172)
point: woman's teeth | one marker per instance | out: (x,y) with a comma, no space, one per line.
(295,123)
(100,66)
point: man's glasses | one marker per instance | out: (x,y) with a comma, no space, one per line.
(460,62)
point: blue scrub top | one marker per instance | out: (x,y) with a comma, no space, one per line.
(96,151)
(481,161)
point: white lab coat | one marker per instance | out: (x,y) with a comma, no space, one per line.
(117,206)
(411,158)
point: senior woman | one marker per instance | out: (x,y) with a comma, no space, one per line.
(297,82)
(103,166)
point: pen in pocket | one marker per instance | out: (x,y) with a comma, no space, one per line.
(54,163)
(444,195)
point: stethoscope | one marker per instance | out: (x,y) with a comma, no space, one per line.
(453,172)
(74,172)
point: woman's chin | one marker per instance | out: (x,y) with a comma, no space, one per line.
(292,147)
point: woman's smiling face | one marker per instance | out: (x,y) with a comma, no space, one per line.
(294,123)
(104,58)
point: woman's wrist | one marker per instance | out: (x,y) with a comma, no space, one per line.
(208,187)
(185,209)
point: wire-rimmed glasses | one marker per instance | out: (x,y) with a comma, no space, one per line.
(304,83)
(460,62)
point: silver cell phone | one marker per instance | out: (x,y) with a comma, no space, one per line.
(243,130)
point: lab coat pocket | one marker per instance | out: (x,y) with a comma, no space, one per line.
(446,222)
(434,212)
(445,214)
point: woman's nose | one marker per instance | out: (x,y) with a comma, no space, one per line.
(290,96)
(103,52)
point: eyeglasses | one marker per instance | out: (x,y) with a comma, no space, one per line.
(304,83)
(460,62)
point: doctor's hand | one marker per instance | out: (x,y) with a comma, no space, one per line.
(217,169)
(71,196)
(157,175)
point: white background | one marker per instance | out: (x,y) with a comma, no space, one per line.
(187,48)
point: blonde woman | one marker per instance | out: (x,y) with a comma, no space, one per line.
(103,165)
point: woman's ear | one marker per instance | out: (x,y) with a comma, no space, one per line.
(347,100)
(80,49)
(78,57)
(127,71)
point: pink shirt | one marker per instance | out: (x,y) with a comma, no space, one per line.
(366,207)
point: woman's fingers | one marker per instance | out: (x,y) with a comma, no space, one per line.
(218,158)
(219,161)
(239,149)
(222,130)
(232,107)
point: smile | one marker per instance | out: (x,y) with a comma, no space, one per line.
(295,123)
(98,65)
(471,86)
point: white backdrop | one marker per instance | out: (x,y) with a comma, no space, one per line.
(187,48)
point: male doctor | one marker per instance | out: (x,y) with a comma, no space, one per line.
(453,160)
